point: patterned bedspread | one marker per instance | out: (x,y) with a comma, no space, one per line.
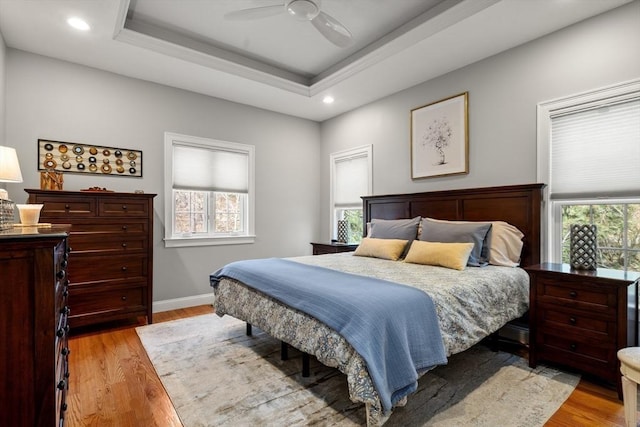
(470,305)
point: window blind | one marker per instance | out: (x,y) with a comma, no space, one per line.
(595,151)
(209,169)
(351,181)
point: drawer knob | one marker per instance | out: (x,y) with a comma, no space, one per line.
(573,294)
(124,268)
(64,263)
(124,298)
(60,333)
(60,274)
(572,320)
(65,310)
(124,227)
(124,245)
(124,207)
(64,407)
(573,346)
(65,293)
(62,385)
(65,351)
(66,207)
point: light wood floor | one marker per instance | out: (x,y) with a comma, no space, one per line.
(114,384)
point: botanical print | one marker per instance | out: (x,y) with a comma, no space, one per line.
(439,142)
(438,136)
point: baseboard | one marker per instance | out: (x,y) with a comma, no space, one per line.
(184,302)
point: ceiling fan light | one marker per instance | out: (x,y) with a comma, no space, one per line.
(304,10)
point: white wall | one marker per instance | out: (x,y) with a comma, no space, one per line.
(503,93)
(52,99)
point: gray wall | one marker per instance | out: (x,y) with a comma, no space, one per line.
(52,99)
(504,91)
(3,85)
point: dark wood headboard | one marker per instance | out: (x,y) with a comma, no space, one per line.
(519,205)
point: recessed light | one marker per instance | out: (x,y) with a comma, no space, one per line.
(328,99)
(78,23)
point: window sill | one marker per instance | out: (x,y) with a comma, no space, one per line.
(179,242)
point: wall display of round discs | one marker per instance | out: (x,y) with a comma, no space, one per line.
(71,157)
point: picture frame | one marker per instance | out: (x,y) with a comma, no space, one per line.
(440,138)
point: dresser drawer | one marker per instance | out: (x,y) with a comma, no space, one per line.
(108,243)
(105,301)
(124,207)
(68,207)
(100,268)
(104,227)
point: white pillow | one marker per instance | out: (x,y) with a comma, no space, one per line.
(505,242)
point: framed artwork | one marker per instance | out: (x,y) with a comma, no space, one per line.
(440,138)
(71,157)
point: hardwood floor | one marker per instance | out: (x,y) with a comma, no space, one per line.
(114,384)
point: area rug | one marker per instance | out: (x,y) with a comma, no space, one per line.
(215,375)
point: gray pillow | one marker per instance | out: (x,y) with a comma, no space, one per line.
(404,229)
(478,234)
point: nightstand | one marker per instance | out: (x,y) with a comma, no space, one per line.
(580,319)
(332,248)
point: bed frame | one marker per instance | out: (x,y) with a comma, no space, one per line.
(519,205)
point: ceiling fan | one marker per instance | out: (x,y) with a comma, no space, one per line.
(303,10)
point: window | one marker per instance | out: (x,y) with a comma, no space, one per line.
(208,191)
(588,154)
(351,178)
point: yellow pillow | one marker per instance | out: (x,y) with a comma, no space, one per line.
(450,255)
(381,248)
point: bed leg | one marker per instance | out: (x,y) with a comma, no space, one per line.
(284,351)
(305,365)
(248,329)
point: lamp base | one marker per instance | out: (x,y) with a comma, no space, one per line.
(7,218)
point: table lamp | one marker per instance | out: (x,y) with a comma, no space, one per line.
(9,172)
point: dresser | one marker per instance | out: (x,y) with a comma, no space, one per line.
(34,367)
(111,252)
(332,248)
(580,319)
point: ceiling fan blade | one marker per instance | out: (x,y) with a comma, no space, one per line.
(333,30)
(254,13)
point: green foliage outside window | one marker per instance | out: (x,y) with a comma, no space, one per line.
(354,225)
(618,233)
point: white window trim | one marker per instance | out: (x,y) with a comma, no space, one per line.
(551,225)
(171,241)
(365,150)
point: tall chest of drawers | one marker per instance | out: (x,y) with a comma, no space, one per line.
(580,319)
(111,251)
(34,366)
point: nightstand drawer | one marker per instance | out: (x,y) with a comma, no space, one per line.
(587,296)
(576,346)
(574,322)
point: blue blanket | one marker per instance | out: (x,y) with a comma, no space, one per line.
(393,327)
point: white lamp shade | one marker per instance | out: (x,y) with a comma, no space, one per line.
(9,166)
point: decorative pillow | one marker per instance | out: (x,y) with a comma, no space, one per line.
(504,242)
(381,248)
(450,255)
(405,229)
(460,232)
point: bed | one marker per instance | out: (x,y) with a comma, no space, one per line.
(471,303)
